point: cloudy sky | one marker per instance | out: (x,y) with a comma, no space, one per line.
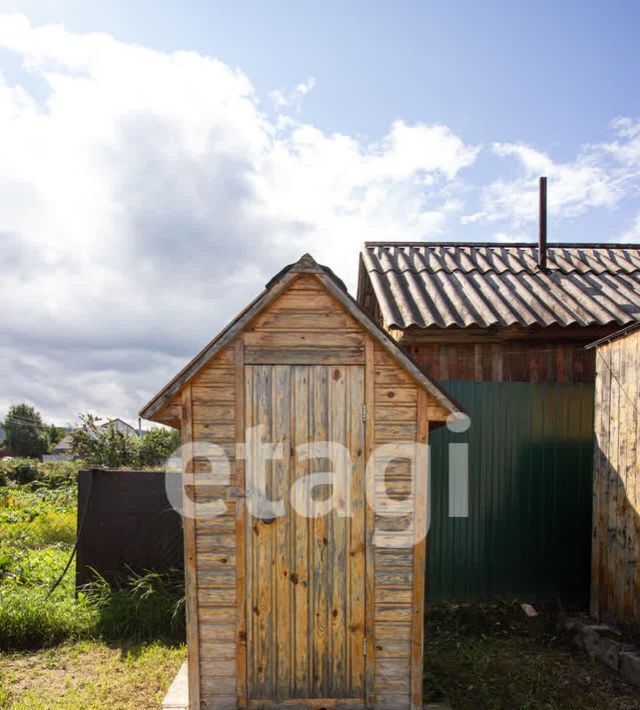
(159,164)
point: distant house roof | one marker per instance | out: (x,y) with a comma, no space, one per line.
(465,285)
(64,445)
(121,426)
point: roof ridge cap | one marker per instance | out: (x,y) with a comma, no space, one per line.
(501,245)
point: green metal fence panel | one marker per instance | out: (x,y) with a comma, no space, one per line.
(528,531)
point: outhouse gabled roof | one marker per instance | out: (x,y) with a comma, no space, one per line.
(276,286)
(494,285)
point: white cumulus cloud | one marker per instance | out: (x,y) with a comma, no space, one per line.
(632,235)
(600,176)
(293,99)
(146,197)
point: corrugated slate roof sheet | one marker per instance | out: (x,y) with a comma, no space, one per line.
(496,285)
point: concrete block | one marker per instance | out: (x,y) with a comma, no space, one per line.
(604,649)
(177,697)
(630,667)
(584,625)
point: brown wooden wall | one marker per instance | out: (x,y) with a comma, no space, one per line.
(213,620)
(615,579)
(504,362)
(304,325)
(397,418)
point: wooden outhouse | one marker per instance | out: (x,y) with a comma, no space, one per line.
(292,610)
(615,552)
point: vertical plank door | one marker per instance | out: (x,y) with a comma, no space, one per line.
(305,576)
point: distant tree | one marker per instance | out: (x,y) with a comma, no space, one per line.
(156,445)
(24,432)
(55,435)
(103,445)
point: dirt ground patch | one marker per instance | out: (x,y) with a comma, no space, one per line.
(90,675)
(495,657)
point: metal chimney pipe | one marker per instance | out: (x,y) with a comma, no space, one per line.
(542,225)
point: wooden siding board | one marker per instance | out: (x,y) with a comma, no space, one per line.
(370,562)
(293,340)
(396,400)
(190,559)
(419,555)
(338,544)
(240,529)
(596,504)
(621,492)
(282,557)
(562,362)
(319,545)
(356,595)
(634,466)
(301,544)
(630,454)
(215,538)
(602,423)
(616,527)
(341,355)
(613,486)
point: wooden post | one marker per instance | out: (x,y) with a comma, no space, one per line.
(241,606)
(190,561)
(370,585)
(419,554)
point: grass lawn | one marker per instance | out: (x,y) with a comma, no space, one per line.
(495,657)
(89,674)
(103,648)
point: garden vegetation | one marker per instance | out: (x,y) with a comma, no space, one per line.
(38,514)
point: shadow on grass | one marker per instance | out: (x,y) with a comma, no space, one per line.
(495,657)
(140,609)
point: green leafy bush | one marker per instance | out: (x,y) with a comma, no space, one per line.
(156,446)
(59,474)
(52,474)
(106,445)
(20,470)
(103,445)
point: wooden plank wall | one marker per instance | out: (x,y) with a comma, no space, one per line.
(305,577)
(214,410)
(504,362)
(395,397)
(615,572)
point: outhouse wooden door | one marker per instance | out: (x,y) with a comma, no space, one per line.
(305,576)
